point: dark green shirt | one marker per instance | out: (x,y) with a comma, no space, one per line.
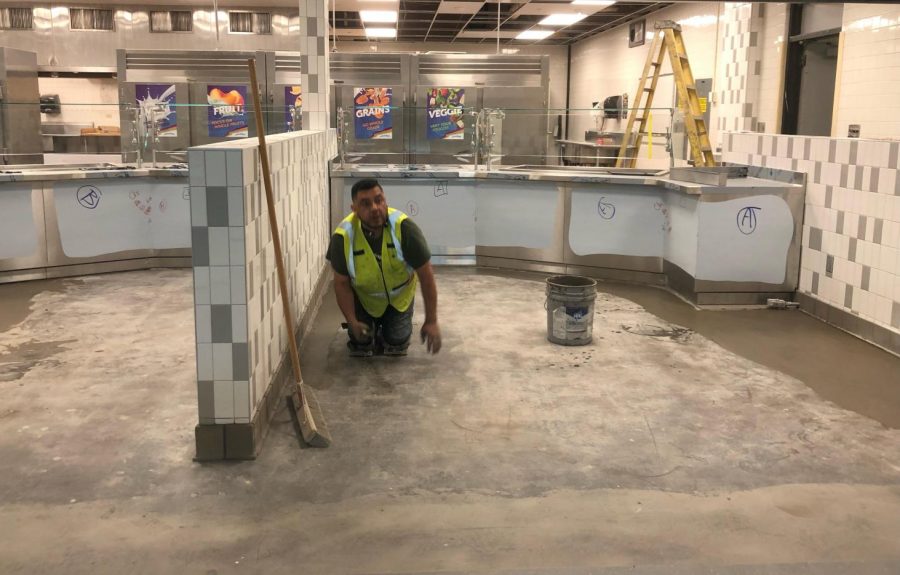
(412,242)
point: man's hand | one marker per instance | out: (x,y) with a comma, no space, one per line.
(431,336)
(360,331)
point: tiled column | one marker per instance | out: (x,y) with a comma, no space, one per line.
(739,67)
(240,328)
(314,63)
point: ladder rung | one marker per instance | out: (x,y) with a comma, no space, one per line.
(656,63)
(648,89)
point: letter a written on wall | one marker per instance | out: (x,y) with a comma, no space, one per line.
(372,118)
(445,108)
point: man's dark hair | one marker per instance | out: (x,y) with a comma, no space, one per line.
(363,185)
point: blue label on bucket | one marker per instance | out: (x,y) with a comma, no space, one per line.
(577,313)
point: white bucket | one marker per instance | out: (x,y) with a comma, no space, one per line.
(570,309)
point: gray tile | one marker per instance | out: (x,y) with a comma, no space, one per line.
(817,173)
(312,25)
(320,46)
(241,361)
(222,361)
(313,83)
(747,110)
(879,230)
(854,149)
(829,265)
(848,296)
(851,251)
(205,400)
(807,146)
(199,247)
(790,150)
(203,323)
(829,194)
(815,283)
(858,180)
(754,39)
(832,150)
(815,239)
(866,276)
(873,180)
(217,206)
(304,64)
(845,169)
(239,323)
(895,314)
(840,222)
(895,150)
(221,323)
(861,232)
(759,145)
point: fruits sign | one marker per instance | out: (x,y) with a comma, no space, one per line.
(372,113)
(158,102)
(445,108)
(227,114)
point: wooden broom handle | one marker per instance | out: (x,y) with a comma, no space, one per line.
(273,222)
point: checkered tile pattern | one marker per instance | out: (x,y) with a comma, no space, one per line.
(740,66)
(314,63)
(239,327)
(851,231)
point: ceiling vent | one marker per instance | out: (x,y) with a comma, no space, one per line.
(91,19)
(16,19)
(171,21)
(250,22)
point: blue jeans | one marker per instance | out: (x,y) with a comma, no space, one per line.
(396,326)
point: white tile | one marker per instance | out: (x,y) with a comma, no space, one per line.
(242,400)
(203,323)
(223,399)
(234,168)
(239,323)
(238,285)
(235,206)
(220,285)
(216,173)
(198,206)
(218,246)
(202,289)
(236,249)
(887,180)
(196,168)
(204,362)
(222,361)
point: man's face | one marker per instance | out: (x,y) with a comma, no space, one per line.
(370,206)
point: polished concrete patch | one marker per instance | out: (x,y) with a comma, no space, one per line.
(653,450)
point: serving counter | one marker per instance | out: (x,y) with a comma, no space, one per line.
(719,237)
(58,221)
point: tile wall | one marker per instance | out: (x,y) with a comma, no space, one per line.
(740,66)
(314,72)
(240,330)
(869,75)
(851,232)
(772,48)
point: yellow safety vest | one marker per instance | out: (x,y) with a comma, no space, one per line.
(394,281)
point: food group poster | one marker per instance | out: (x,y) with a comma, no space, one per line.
(372,113)
(227,114)
(445,107)
(158,101)
(293,98)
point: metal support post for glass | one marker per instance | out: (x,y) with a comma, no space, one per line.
(342,136)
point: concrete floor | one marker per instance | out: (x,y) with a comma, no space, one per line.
(738,443)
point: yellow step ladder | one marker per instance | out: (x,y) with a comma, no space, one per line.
(667,39)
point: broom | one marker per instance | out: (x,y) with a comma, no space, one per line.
(301,399)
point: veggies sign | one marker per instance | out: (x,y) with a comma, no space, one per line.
(445,108)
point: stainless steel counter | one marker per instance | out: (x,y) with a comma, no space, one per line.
(735,240)
(58,221)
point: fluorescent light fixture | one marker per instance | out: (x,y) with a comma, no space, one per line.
(380,16)
(594,2)
(534,34)
(562,19)
(510,51)
(381,32)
